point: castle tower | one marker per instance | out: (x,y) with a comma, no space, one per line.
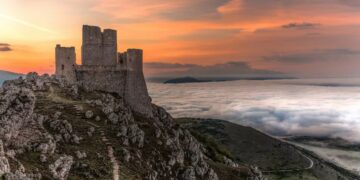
(65,61)
(134,58)
(109,47)
(99,48)
(91,49)
(136,93)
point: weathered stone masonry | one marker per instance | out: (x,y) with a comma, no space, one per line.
(104,69)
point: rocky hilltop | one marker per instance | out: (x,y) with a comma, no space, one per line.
(50,129)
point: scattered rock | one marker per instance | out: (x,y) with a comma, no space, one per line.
(126,154)
(91,131)
(229,162)
(43,158)
(80,155)
(61,167)
(89,114)
(188,174)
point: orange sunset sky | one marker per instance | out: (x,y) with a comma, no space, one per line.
(312,38)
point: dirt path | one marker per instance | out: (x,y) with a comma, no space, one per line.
(111,156)
(116,167)
(311,164)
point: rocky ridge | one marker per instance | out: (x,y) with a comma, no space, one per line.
(50,129)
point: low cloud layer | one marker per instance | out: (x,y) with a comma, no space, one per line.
(5,47)
(280,108)
(230,69)
(316,55)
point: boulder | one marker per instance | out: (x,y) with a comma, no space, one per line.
(89,114)
(61,167)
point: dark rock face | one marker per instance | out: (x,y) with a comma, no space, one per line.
(175,149)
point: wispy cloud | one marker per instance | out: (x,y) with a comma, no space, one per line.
(5,47)
(315,55)
(210,34)
(25,23)
(304,25)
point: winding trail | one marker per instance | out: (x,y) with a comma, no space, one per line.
(115,163)
(113,160)
(311,162)
(311,165)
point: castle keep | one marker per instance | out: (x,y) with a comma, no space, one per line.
(103,68)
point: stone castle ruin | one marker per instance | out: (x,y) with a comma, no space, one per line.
(104,69)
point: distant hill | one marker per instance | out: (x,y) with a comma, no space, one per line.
(183,80)
(189,79)
(6,75)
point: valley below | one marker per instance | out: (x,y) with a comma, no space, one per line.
(276,158)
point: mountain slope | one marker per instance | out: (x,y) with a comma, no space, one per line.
(6,75)
(275,158)
(52,130)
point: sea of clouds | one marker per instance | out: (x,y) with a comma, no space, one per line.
(311,107)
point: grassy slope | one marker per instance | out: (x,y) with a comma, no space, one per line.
(249,146)
(97,161)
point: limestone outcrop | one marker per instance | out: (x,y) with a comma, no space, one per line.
(61,167)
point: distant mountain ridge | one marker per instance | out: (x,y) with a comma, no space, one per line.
(183,80)
(7,75)
(189,79)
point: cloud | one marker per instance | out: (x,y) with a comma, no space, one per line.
(5,47)
(210,34)
(278,108)
(158,9)
(159,65)
(199,9)
(315,55)
(282,122)
(303,25)
(26,23)
(229,69)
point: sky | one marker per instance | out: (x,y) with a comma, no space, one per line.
(305,38)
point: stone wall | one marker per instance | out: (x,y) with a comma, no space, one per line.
(130,85)
(136,94)
(65,62)
(122,59)
(101,78)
